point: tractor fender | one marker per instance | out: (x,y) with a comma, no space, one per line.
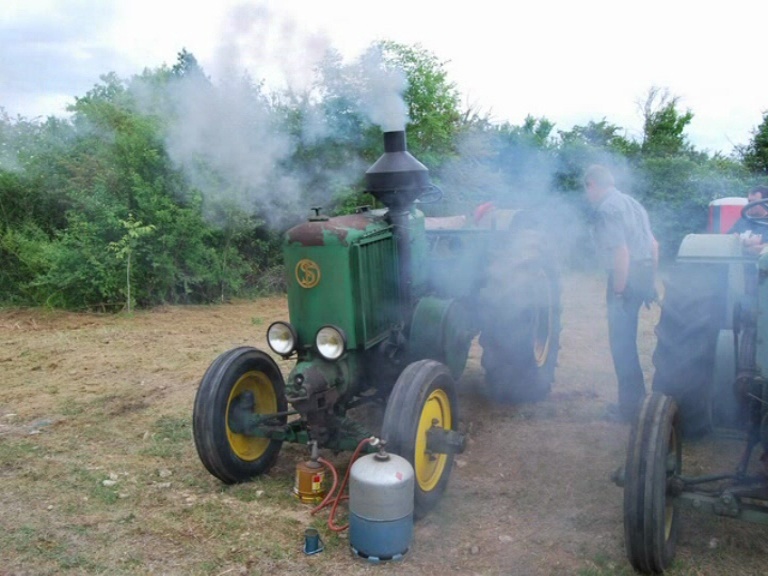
(710,247)
(442,329)
(724,254)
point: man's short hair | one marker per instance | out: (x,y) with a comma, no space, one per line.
(762,190)
(600,175)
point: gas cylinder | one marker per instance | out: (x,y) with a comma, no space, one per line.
(310,479)
(381,488)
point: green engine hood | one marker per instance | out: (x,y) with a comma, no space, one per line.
(342,271)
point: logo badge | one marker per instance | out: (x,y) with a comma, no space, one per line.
(307,273)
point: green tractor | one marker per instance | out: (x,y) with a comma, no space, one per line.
(712,347)
(384,305)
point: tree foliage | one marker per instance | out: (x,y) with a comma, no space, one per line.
(754,155)
(169,187)
(433,100)
(664,125)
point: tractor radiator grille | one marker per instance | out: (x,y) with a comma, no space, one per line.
(377,282)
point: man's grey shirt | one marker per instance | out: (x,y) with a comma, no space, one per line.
(620,220)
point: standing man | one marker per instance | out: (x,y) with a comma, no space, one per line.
(629,253)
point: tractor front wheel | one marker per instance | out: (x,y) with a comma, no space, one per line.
(654,459)
(424,396)
(244,380)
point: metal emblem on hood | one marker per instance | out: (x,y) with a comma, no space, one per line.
(307,273)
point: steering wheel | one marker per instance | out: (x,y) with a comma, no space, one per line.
(434,194)
(761,220)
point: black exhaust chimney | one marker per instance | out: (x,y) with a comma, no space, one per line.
(396,180)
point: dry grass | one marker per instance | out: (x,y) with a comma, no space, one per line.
(99,475)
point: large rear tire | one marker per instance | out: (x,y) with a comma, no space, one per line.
(654,457)
(424,396)
(686,336)
(230,456)
(725,406)
(520,320)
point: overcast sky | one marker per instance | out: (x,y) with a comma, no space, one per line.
(571,61)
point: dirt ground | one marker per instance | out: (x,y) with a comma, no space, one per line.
(99,474)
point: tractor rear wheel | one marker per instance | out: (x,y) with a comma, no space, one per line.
(247,379)
(725,406)
(520,320)
(424,396)
(654,458)
(686,336)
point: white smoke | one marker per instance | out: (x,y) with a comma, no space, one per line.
(225,140)
(382,97)
(225,133)
(275,48)
(271,46)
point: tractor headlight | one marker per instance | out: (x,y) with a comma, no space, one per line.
(281,337)
(331,342)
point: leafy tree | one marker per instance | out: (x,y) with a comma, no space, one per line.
(754,155)
(115,171)
(433,101)
(594,143)
(504,163)
(23,259)
(331,138)
(334,128)
(101,210)
(32,199)
(31,160)
(677,190)
(126,246)
(80,272)
(602,135)
(663,125)
(187,65)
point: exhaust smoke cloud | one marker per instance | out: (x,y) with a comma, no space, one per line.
(225,142)
(230,137)
(382,99)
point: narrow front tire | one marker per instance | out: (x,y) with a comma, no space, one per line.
(227,454)
(654,459)
(424,396)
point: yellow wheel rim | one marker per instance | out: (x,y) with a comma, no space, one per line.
(542,323)
(265,402)
(429,467)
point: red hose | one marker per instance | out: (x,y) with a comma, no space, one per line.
(340,497)
(328,496)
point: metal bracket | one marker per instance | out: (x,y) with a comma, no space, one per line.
(442,441)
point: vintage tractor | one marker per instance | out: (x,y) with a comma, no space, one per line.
(383,308)
(710,375)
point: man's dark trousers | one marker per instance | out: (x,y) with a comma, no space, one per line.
(623,314)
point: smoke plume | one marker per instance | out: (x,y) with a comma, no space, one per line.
(230,136)
(382,95)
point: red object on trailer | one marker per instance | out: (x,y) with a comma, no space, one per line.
(723,213)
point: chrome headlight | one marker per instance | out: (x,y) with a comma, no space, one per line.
(281,337)
(330,342)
